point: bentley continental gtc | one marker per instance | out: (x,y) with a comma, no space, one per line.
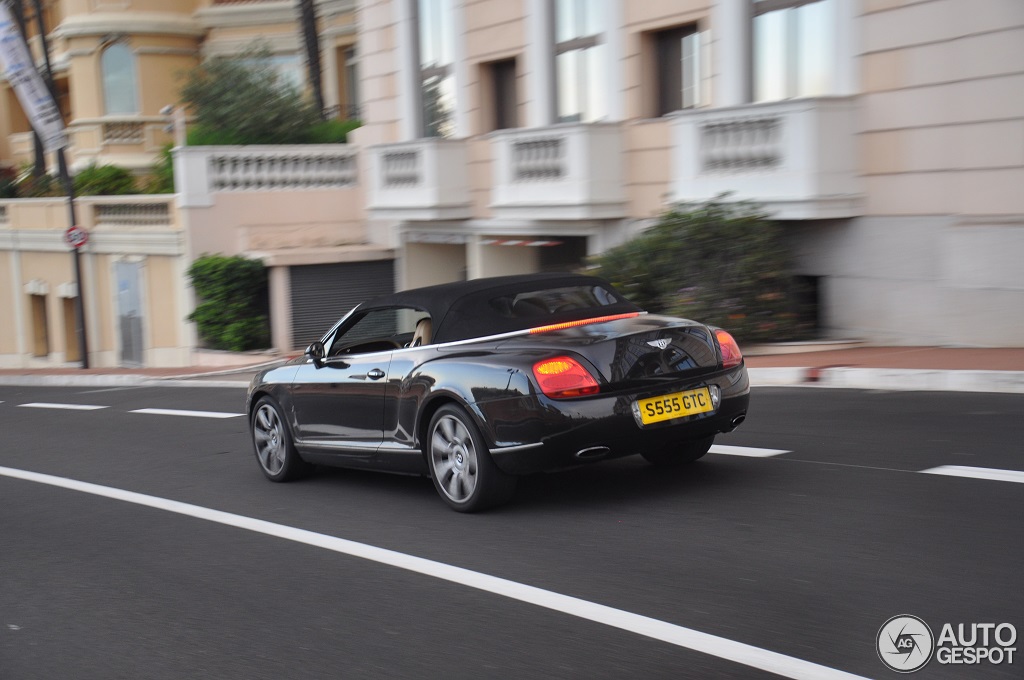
(477,383)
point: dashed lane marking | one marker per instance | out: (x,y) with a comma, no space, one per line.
(190,414)
(746,451)
(977,473)
(67,407)
(723,648)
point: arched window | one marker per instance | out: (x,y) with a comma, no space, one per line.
(118,67)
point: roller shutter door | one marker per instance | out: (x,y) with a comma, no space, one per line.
(323,293)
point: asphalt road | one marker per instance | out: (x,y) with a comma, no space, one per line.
(804,554)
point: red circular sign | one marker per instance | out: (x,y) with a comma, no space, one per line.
(76,237)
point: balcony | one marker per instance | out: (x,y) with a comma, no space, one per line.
(202,171)
(131,142)
(420,180)
(797,158)
(568,171)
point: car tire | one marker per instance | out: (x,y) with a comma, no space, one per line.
(272,442)
(675,455)
(461,467)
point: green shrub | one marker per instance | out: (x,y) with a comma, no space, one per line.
(8,183)
(725,264)
(201,135)
(44,186)
(161,178)
(331,131)
(232,313)
(104,180)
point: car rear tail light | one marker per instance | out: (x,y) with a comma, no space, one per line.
(731,355)
(564,377)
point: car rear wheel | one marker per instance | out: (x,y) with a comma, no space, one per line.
(275,452)
(679,454)
(461,467)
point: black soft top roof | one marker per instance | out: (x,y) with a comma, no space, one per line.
(462,310)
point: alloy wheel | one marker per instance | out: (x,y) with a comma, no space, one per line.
(454,458)
(269,437)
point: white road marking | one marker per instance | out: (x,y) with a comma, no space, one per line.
(723,648)
(191,414)
(977,473)
(113,389)
(746,451)
(68,407)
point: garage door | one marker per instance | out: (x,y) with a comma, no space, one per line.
(323,293)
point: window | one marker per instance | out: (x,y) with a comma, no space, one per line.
(118,66)
(288,69)
(71,349)
(500,76)
(351,109)
(378,330)
(437,78)
(542,303)
(40,326)
(677,62)
(579,61)
(793,48)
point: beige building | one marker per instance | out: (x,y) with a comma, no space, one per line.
(506,136)
(118,66)
(887,134)
(133,274)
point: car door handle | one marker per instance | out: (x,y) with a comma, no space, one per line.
(375,374)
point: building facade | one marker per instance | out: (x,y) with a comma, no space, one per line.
(119,67)
(888,135)
(507,136)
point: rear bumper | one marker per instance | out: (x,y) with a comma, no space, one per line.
(531,434)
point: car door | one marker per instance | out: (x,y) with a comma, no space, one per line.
(339,402)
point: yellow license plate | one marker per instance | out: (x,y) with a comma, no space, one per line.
(676,405)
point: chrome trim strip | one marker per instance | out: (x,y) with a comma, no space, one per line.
(453,343)
(354,446)
(490,338)
(397,446)
(321,444)
(514,449)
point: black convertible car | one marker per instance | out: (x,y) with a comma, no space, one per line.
(477,382)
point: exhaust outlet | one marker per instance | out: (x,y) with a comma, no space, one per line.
(739,419)
(593,453)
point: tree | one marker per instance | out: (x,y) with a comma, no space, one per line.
(243,100)
(721,263)
(311,41)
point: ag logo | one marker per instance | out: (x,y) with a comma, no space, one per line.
(905,643)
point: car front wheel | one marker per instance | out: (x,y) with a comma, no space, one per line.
(680,453)
(461,467)
(275,452)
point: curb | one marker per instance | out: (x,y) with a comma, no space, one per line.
(894,379)
(122,380)
(230,371)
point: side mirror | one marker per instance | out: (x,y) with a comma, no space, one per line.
(316,352)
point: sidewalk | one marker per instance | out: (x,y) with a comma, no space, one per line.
(810,364)
(956,369)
